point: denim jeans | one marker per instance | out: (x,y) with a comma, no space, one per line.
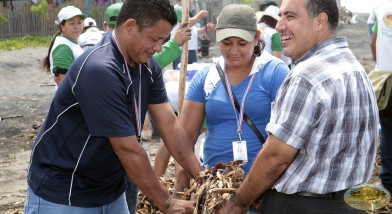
(370,27)
(192,57)
(386,149)
(131,195)
(36,205)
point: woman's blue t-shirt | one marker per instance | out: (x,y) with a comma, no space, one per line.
(220,117)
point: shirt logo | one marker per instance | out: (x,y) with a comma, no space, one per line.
(388,19)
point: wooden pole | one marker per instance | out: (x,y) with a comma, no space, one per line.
(184,59)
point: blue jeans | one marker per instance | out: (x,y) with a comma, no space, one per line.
(370,30)
(386,149)
(34,205)
(131,195)
(192,57)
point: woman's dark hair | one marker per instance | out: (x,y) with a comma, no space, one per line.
(147,12)
(315,7)
(269,21)
(259,47)
(46,60)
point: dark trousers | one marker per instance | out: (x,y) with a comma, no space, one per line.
(279,203)
(385,152)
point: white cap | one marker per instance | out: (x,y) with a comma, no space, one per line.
(69,12)
(271,10)
(90,22)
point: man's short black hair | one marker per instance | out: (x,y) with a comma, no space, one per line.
(315,7)
(147,12)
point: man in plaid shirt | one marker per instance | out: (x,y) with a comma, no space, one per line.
(323,130)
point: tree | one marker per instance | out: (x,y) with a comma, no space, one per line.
(41,8)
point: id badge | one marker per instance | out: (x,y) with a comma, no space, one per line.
(239,151)
(146,147)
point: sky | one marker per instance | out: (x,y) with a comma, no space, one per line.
(360,6)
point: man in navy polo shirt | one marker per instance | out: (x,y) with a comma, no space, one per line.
(91,135)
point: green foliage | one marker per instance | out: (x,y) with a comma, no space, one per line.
(248,2)
(3,19)
(23,42)
(41,8)
(95,12)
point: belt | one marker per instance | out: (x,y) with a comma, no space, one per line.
(338,194)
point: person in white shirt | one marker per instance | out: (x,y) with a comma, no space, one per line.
(91,34)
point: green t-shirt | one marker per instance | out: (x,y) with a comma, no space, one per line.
(62,57)
(170,52)
(276,42)
(375,27)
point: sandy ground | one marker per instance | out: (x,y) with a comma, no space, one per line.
(24,91)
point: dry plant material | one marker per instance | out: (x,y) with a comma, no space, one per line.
(209,191)
(385,210)
(145,205)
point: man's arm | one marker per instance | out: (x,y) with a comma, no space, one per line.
(136,164)
(271,162)
(373,46)
(277,54)
(374,41)
(195,19)
(175,138)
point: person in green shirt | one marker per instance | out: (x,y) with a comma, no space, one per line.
(170,50)
(64,48)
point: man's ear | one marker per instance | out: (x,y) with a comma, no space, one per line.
(321,21)
(131,25)
(105,26)
(258,33)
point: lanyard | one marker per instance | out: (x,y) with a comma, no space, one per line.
(229,91)
(137,104)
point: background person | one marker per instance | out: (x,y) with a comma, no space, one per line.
(254,80)
(111,14)
(91,34)
(323,130)
(192,45)
(381,46)
(273,42)
(266,4)
(64,48)
(91,136)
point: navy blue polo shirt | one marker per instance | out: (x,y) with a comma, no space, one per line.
(72,160)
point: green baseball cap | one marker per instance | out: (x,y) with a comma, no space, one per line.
(236,20)
(113,11)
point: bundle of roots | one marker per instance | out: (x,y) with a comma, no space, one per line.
(209,191)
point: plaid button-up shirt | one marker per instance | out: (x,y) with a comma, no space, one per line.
(326,108)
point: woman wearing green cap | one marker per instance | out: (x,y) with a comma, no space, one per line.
(64,48)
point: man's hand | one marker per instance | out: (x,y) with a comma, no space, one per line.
(182,34)
(232,205)
(210,26)
(180,206)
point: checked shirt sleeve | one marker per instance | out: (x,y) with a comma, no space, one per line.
(295,112)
